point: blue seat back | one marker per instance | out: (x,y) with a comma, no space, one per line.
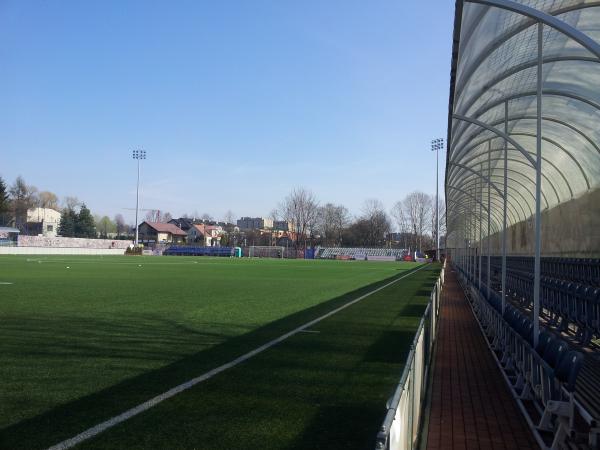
(569,368)
(555,351)
(544,341)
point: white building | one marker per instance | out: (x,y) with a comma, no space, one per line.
(254,223)
(206,235)
(43,221)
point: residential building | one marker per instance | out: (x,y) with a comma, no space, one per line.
(185,223)
(42,222)
(206,235)
(159,233)
(282,225)
(254,223)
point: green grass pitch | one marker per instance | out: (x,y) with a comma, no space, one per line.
(85,338)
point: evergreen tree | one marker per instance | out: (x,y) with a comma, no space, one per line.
(67,223)
(84,224)
(4,203)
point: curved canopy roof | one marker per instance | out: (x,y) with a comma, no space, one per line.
(493,106)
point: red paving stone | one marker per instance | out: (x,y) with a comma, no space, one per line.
(471,405)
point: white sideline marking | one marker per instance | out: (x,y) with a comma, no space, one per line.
(5,282)
(97,429)
(309,331)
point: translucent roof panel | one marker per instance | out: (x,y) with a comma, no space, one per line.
(494,94)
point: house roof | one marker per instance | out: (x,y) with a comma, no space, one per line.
(199,227)
(182,222)
(166,228)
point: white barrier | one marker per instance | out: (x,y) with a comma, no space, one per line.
(68,242)
(400,427)
(60,251)
(381,258)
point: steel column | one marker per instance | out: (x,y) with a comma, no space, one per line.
(489,248)
(479,246)
(538,182)
(504,208)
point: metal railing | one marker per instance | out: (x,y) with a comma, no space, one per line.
(402,421)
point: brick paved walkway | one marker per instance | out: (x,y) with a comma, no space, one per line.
(471,406)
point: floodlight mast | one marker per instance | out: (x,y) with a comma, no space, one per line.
(436,146)
(138,155)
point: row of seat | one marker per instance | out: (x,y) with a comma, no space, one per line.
(564,302)
(198,251)
(543,377)
(569,290)
(332,252)
(578,270)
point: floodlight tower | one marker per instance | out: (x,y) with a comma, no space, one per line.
(436,146)
(138,155)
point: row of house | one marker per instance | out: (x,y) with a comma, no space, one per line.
(210,234)
(46,221)
(201,234)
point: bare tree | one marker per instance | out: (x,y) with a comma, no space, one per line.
(120,224)
(275,214)
(71,203)
(401,217)
(417,208)
(23,197)
(331,222)
(229,217)
(442,219)
(206,217)
(48,199)
(378,222)
(300,209)
(156,215)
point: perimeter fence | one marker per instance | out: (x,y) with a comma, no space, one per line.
(400,428)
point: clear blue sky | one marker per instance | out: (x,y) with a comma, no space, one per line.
(236,102)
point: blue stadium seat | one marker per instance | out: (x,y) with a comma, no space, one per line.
(544,340)
(568,369)
(554,352)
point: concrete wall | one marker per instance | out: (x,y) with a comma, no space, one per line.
(60,251)
(66,242)
(571,229)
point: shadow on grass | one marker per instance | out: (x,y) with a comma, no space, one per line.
(325,431)
(69,419)
(382,349)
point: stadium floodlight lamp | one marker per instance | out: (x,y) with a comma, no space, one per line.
(436,146)
(138,155)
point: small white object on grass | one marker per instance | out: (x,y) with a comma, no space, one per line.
(139,265)
(68,267)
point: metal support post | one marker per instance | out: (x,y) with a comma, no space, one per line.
(489,248)
(538,183)
(504,208)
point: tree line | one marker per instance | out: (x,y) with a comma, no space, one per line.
(409,224)
(332,225)
(76,218)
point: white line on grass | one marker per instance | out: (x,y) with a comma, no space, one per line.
(5,282)
(97,429)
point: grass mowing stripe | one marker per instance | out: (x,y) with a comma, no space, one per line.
(91,432)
